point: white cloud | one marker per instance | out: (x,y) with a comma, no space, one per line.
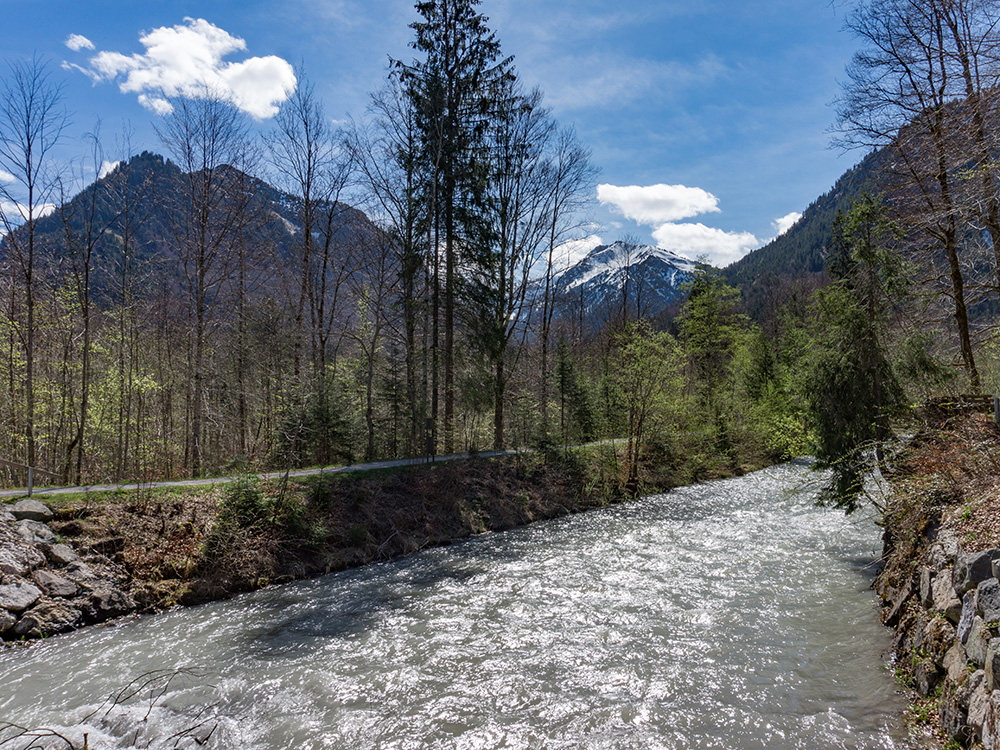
(573,251)
(76,42)
(14,210)
(697,240)
(598,78)
(6,176)
(187,60)
(658,204)
(107,167)
(783,223)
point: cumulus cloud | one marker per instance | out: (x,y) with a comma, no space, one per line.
(6,176)
(14,210)
(658,204)
(76,42)
(187,60)
(783,223)
(573,251)
(696,240)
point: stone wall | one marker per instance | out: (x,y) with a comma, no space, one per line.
(947,618)
(45,586)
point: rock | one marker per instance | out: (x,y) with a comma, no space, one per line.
(979,642)
(991,724)
(926,577)
(968,615)
(62,554)
(17,597)
(105,601)
(937,558)
(80,572)
(18,559)
(6,517)
(47,618)
(7,621)
(898,605)
(971,570)
(31,510)
(971,685)
(988,600)
(938,637)
(945,599)
(953,720)
(927,677)
(979,707)
(955,663)
(992,665)
(949,543)
(35,532)
(996,568)
(54,585)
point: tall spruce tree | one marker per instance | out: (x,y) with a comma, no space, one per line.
(452,86)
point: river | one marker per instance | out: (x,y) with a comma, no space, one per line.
(733,614)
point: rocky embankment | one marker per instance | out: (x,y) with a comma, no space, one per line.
(941,582)
(947,627)
(45,586)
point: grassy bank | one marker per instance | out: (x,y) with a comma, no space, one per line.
(189,545)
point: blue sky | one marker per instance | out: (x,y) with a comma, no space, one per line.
(707,119)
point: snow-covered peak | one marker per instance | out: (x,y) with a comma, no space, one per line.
(622,275)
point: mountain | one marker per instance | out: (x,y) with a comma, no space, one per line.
(648,279)
(154,189)
(766,275)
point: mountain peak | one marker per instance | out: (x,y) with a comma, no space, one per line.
(643,277)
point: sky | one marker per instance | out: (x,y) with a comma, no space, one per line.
(709,120)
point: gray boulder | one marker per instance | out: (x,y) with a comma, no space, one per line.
(106,601)
(970,570)
(927,676)
(7,621)
(18,559)
(992,665)
(35,532)
(955,663)
(979,707)
(47,618)
(31,510)
(968,615)
(988,600)
(17,597)
(991,724)
(938,637)
(945,599)
(936,557)
(6,517)
(80,572)
(62,554)
(979,642)
(926,578)
(965,691)
(55,585)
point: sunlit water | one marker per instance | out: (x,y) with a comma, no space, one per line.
(729,615)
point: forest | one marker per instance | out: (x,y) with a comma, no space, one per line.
(396,293)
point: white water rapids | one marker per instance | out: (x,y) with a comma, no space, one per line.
(733,615)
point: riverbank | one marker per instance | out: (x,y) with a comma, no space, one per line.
(939,585)
(163,548)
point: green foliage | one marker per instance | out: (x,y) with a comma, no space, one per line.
(647,376)
(577,418)
(852,387)
(314,433)
(243,502)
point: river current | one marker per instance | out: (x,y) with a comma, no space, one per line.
(733,614)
